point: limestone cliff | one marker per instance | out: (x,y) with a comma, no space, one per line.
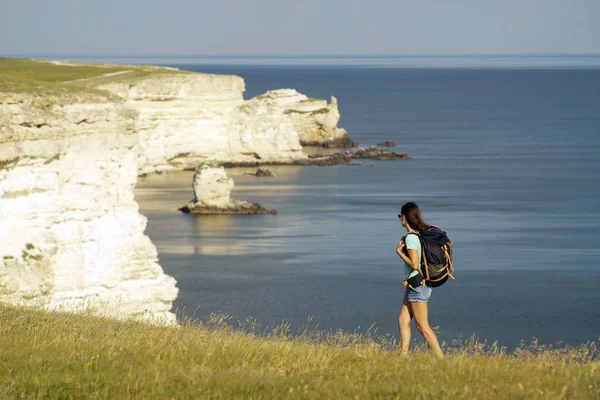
(71,235)
(187,119)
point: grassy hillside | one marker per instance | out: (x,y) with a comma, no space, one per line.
(56,355)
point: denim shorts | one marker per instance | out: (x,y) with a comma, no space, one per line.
(420,294)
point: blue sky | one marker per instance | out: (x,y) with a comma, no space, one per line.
(281,27)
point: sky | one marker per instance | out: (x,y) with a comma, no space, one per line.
(298,28)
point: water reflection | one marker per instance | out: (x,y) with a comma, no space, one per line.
(238,248)
(212,224)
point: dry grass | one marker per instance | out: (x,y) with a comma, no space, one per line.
(58,355)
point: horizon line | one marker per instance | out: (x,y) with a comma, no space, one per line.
(315,56)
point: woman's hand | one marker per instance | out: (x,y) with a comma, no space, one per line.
(400,249)
(412,259)
(401,246)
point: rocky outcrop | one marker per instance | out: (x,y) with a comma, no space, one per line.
(71,236)
(373,153)
(387,143)
(314,119)
(212,194)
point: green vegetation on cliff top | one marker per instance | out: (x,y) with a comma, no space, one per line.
(48,78)
(50,72)
(58,355)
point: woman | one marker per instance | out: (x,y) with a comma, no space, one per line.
(417,296)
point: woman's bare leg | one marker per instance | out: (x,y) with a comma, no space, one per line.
(404,319)
(419,311)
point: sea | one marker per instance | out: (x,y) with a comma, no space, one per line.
(506,160)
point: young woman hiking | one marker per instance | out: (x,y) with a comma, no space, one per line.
(416,297)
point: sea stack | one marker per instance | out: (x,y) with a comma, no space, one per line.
(212,194)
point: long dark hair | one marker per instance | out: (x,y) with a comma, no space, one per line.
(412,213)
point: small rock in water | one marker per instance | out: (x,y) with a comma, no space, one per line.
(387,143)
(262,172)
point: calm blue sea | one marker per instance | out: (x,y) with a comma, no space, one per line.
(507,161)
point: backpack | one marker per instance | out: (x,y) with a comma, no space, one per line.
(436,249)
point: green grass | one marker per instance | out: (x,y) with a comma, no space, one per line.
(57,355)
(45,79)
(44,71)
(75,81)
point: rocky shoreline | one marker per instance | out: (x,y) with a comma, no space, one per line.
(363,153)
(340,143)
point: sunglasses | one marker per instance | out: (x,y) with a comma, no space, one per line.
(399,215)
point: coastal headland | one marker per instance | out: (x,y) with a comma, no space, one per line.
(74,138)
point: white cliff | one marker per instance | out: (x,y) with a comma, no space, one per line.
(71,236)
(187,119)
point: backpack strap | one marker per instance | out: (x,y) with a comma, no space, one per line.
(423,258)
(418,236)
(412,233)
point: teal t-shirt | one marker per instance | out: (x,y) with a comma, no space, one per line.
(412,243)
